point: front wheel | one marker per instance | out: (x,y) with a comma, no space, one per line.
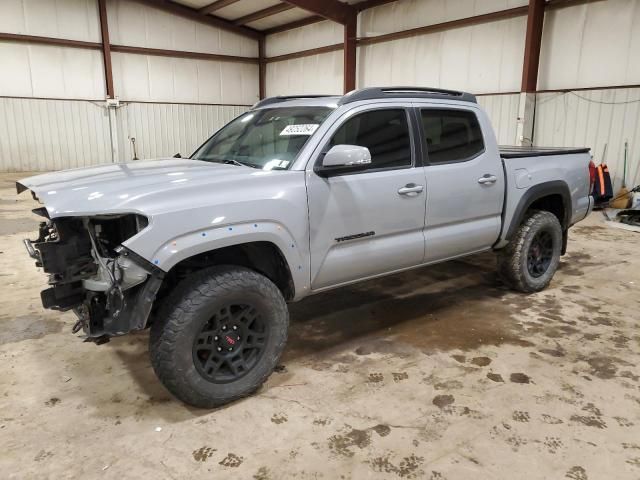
(219,336)
(531,258)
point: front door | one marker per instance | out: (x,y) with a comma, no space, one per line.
(371,221)
(465,182)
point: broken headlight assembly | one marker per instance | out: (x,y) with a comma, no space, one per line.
(91,273)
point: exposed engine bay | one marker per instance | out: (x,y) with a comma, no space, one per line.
(109,288)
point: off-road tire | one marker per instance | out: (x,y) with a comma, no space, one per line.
(186,311)
(512,260)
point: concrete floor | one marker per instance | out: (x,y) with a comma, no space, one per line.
(438,373)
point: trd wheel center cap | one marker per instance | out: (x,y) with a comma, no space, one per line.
(229,340)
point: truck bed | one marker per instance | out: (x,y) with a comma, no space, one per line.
(520,152)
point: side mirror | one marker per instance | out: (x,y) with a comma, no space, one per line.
(344,158)
(177,155)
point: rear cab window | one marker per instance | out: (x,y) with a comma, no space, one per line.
(451,135)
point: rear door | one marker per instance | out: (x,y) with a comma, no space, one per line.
(371,221)
(465,181)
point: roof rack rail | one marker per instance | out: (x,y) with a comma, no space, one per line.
(373,93)
(282,98)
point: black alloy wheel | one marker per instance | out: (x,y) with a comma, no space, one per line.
(540,254)
(230,343)
(218,335)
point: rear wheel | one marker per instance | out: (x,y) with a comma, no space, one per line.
(219,336)
(531,258)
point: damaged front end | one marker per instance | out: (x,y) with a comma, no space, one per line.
(110,288)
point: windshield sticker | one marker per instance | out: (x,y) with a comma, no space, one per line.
(302,129)
(276,164)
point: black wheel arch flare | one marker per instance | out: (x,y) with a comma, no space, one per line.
(538,192)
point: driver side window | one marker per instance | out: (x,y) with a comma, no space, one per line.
(384,132)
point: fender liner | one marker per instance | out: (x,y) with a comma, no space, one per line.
(536,192)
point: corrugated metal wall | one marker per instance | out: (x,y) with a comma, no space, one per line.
(41,135)
(321,74)
(591,45)
(52,110)
(146,78)
(484,58)
(292,77)
(593,118)
(162,130)
(503,112)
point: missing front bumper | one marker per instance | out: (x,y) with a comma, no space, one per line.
(110,295)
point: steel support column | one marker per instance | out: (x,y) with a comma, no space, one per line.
(350,53)
(106,48)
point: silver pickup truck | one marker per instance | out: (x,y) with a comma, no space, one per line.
(296,196)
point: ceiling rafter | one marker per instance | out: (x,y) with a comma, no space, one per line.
(212,7)
(329,9)
(260,14)
(371,3)
(303,22)
(195,15)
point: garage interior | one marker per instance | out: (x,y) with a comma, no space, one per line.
(437,373)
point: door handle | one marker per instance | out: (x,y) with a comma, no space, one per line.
(487,179)
(410,190)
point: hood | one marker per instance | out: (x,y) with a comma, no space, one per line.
(128,187)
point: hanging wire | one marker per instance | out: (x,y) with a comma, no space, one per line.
(586,99)
(604,103)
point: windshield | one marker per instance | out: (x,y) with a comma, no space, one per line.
(269,139)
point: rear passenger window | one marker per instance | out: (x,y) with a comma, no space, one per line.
(451,135)
(384,132)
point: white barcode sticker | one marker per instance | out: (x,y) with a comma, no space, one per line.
(302,129)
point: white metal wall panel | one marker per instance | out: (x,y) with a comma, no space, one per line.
(41,135)
(162,130)
(71,19)
(37,135)
(30,70)
(138,25)
(321,74)
(593,118)
(304,38)
(484,58)
(406,14)
(591,45)
(147,78)
(503,113)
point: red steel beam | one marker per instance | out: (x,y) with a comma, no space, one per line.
(106,48)
(262,69)
(58,42)
(160,52)
(305,53)
(260,14)
(439,27)
(350,54)
(533,41)
(329,9)
(372,3)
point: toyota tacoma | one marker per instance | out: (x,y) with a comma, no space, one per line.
(294,197)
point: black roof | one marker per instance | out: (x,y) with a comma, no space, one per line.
(378,93)
(373,93)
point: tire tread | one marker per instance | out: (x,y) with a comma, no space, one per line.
(510,257)
(176,312)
